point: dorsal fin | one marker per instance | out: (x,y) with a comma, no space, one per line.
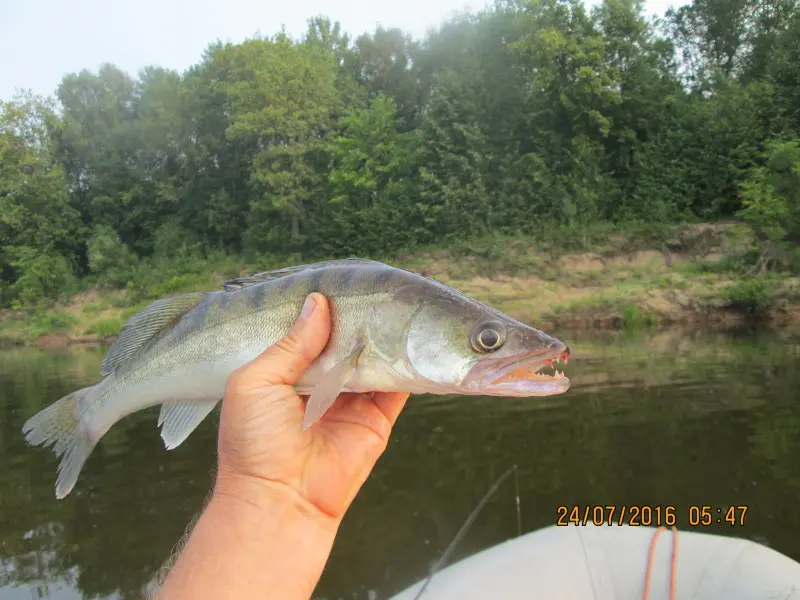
(243,282)
(145,325)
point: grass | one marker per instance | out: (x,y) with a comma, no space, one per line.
(34,325)
(107,327)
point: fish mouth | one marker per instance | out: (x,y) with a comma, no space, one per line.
(534,374)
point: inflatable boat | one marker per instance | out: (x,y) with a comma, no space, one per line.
(617,563)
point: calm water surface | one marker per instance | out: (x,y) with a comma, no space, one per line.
(673,418)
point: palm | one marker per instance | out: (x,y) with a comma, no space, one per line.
(326,465)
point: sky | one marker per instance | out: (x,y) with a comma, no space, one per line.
(42,40)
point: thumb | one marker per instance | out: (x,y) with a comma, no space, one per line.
(284,362)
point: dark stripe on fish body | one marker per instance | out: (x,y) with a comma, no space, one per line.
(383,278)
(330,280)
(287,282)
(206,313)
(344,278)
(316,279)
(257,297)
(303,286)
(272,291)
(372,279)
(359,280)
(194,319)
(227,306)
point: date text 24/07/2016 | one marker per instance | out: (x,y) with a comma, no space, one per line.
(666,515)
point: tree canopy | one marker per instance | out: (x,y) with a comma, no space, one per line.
(524,115)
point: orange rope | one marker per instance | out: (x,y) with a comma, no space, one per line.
(673,566)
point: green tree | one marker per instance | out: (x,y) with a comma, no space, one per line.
(372,184)
(217,180)
(732,37)
(783,70)
(572,93)
(454,198)
(771,200)
(642,68)
(283,98)
(95,144)
(108,256)
(39,230)
(383,64)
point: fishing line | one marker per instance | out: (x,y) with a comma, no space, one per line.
(470,519)
(588,564)
(519,513)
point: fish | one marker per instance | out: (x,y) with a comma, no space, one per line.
(391,330)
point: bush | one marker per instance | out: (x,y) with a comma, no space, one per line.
(634,317)
(771,200)
(42,323)
(754,296)
(107,327)
(109,258)
(172,240)
(40,277)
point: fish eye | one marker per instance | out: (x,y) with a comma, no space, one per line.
(488,337)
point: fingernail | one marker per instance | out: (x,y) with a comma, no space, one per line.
(308,307)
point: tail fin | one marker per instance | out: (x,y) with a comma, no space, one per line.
(58,426)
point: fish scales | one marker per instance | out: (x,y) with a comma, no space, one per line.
(254,318)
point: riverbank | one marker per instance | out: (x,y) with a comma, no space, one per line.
(695,276)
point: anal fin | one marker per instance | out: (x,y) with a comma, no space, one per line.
(179,418)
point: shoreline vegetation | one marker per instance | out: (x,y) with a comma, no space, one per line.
(573,166)
(690,275)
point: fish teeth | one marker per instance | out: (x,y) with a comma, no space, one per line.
(554,364)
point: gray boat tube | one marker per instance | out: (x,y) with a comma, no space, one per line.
(616,563)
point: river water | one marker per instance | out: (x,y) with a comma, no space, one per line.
(673,418)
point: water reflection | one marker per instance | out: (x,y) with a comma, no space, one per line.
(674,418)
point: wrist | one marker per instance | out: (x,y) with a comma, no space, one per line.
(253,535)
(269,499)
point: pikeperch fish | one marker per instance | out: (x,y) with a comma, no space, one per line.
(392,330)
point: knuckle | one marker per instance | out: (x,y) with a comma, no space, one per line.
(292,345)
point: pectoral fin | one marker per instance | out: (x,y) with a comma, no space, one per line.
(324,395)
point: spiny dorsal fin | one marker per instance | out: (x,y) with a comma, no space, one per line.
(243,282)
(145,325)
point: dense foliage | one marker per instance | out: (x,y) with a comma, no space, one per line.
(531,114)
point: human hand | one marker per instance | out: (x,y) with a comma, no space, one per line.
(263,449)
